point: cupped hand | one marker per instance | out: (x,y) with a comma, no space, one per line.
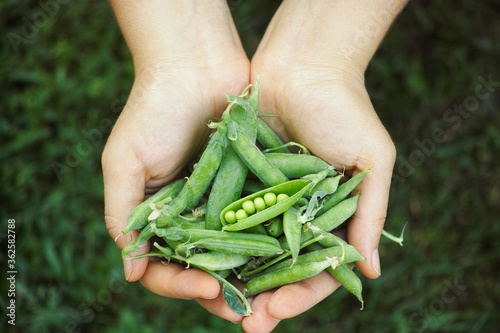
(327,109)
(161,128)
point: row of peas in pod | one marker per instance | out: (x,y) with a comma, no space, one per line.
(249,207)
(252,209)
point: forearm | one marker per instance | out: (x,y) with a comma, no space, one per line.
(341,32)
(175,32)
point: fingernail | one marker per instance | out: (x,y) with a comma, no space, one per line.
(213,297)
(376,261)
(127,267)
(278,320)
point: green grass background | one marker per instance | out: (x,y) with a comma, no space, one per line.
(63,86)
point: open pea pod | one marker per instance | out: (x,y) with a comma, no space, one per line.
(295,189)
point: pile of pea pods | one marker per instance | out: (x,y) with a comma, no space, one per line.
(252,209)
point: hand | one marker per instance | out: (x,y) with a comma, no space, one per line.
(178,87)
(321,102)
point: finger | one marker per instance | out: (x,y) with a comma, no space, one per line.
(219,307)
(365,227)
(175,281)
(260,321)
(296,298)
(123,191)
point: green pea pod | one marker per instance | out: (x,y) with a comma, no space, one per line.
(329,185)
(298,165)
(337,215)
(146,233)
(288,275)
(292,229)
(258,266)
(255,160)
(253,98)
(179,221)
(275,226)
(342,192)
(258,229)
(166,251)
(247,247)
(349,280)
(229,181)
(268,138)
(295,189)
(215,261)
(252,186)
(201,177)
(139,216)
(224,273)
(194,235)
(348,252)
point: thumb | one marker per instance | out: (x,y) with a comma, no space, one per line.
(124,183)
(365,228)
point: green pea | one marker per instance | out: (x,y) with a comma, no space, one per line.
(248,206)
(241,214)
(281,197)
(230,216)
(259,203)
(270,198)
(295,189)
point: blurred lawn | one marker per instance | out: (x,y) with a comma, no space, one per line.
(62,89)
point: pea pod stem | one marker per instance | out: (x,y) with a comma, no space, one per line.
(399,239)
(219,278)
(240,295)
(268,138)
(146,233)
(303,148)
(139,216)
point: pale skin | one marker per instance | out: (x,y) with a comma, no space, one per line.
(187,55)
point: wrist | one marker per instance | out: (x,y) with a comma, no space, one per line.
(342,35)
(171,33)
